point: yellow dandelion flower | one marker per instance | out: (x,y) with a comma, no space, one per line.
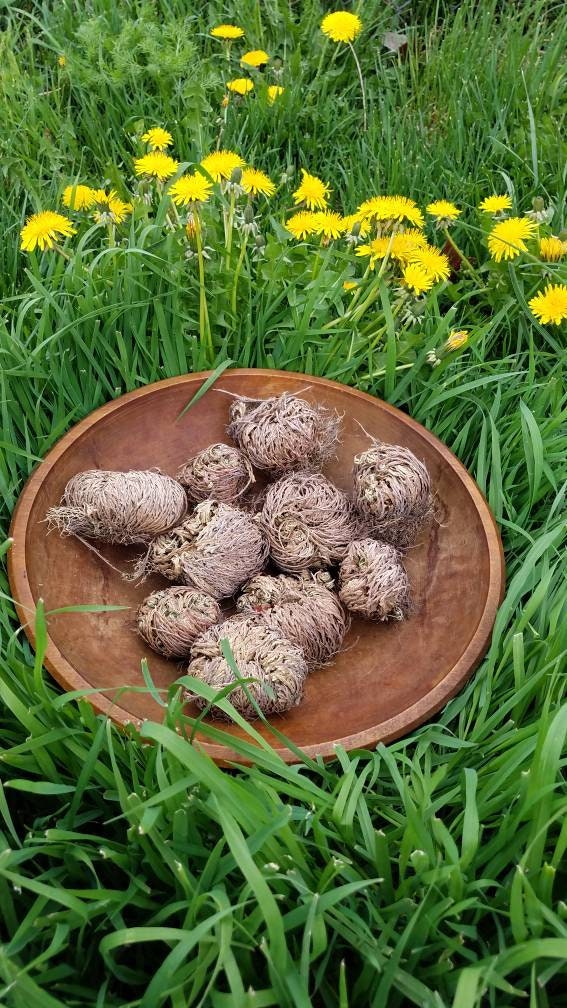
(78,197)
(158,138)
(550,305)
(111,209)
(190,189)
(157,165)
(363,225)
(376,249)
(443,210)
(221,164)
(302,224)
(432,260)
(256,183)
(274,91)
(227,32)
(406,243)
(391,208)
(62,60)
(42,229)
(341,26)
(552,249)
(404,208)
(349,285)
(417,279)
(312,191)
(457,339)
(329,224)
(399,246)
(506,240)
(255,58)
(240,85)
(495,204)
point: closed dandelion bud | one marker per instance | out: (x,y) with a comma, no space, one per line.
(538,204)
(260,241)
(236,176)
(248,214)
(355,229)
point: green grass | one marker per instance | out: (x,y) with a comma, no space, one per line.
(428,873)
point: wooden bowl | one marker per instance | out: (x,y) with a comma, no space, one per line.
(389,679)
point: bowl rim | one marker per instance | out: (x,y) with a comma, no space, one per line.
(387,731)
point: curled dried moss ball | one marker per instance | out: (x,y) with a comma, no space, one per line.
(373,582)
(219,472)
(303,608)
(261,653)
(216,549)
(171,619)
(119,507)
(284,433)
(392,490)
(308,522)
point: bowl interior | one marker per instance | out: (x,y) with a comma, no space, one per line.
(389,677)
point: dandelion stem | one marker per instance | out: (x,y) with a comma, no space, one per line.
(237,274)
(204,324)
(229,227)
(462,257)
(362,88)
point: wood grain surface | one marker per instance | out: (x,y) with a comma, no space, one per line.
(390,677)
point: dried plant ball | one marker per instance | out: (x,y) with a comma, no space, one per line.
(216,549)
(302,608)
(261,653)
(373,582)
(170,620)
(119,507)
(308,522)
(284,433)
(392,489)
(219,472)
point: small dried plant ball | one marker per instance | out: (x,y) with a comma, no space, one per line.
(373,582)
(284,433)
(216,549)
(261,653)
(220,472)
(308,522)
(303,608)
(392,488)
(119,507)
(171,619)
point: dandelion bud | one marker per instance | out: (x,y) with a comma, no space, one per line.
(538,204)
(355,229)
(225,101)
(248,214)
(259,241)
(236,176)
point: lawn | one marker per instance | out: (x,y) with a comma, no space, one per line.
(430,872)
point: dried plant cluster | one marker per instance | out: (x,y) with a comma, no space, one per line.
(203,534)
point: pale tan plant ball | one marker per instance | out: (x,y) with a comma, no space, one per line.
(119,507)
(261,653)
(373,582)
(308,522)
(392,490)
(219,472)
(217,548)
(171,619)
(303,608)
(284,433)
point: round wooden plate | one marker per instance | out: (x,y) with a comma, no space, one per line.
(390,677)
